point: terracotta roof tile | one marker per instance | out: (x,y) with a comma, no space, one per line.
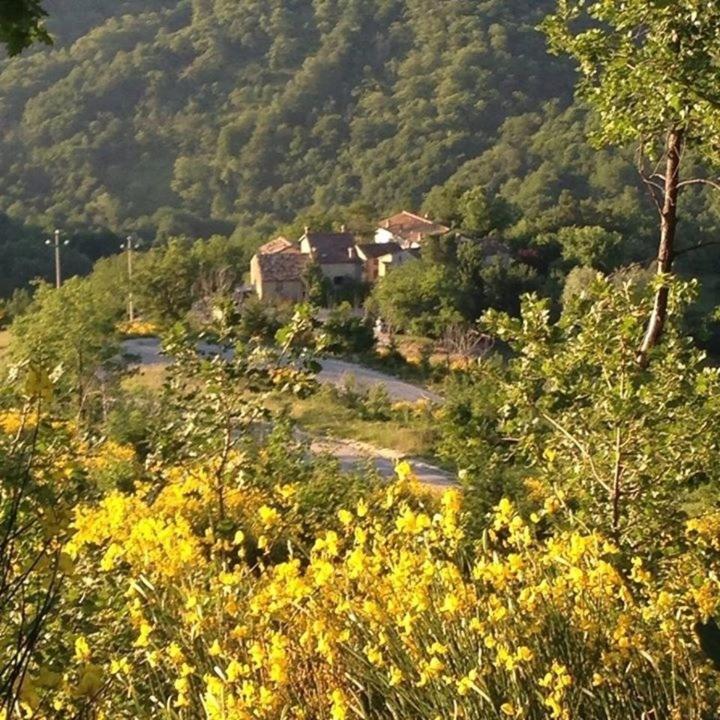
(278,245)
(282,266)
(410,226)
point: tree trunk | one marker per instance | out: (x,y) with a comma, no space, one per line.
(666,250)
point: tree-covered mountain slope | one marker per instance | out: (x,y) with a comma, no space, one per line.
(251,111)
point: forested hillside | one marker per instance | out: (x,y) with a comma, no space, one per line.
(251,111)
(204,117)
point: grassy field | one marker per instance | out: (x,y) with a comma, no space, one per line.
(150,377)
(324,415)
(4,346)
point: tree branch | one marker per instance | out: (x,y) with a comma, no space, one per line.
(677,253)
(653,188)
(700,181)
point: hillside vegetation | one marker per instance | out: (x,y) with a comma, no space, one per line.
(255,110)
(239,116)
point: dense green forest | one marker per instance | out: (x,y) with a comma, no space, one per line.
(252,111)
(206,117)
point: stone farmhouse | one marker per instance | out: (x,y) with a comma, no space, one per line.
(278,269)
(408,230)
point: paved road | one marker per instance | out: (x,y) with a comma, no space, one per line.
(354,455)
(351,454)
(334,372)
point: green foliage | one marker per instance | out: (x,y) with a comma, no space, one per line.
(26,257)
(22,24)
(593,246)
(317,286)
(346,332)
(15,306)
(454,281)
(164,115)
(472,210)
(418,297)
(317,113)
(647,68)
(261,320)
(73,331)
(370,402)
(572,411)
(41,484)
(172,278)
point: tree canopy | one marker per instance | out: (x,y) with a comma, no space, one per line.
(22,24)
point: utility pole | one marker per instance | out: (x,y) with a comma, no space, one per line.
(55,243)
(130,244)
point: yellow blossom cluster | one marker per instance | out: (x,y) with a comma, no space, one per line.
(137,328)
(392,613)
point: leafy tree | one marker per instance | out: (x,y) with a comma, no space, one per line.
(481,214)
(573,413)
(418,297)
(345,332)
(22,24)
(317,286)
(73,331)
(591,246)
(576,282)
(650,72)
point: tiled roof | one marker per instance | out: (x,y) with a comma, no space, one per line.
(278,245)
(332,248)
(376,250)
(410,226)
(282,266)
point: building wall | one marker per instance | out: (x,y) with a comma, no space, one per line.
(289,290)
(387,263)
(255,279)
(383,236)
(351,270)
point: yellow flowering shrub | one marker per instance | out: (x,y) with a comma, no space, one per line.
(387,614)
(137,328)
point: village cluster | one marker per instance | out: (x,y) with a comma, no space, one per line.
(278,271)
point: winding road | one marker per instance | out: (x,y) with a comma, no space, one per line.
(351,454)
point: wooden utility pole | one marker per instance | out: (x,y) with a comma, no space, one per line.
(55,243)
(130,245)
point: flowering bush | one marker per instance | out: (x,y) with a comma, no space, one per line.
(230,576)
(137,328)
(387,614)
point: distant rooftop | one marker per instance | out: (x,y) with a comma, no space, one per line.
(282,266)
(376,250)
(332,247)
(278,245)
(412,227)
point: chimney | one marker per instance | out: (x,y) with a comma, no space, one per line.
(350,253)
(387,224)
(343,228)
(307,229)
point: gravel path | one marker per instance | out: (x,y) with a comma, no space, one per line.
(354,455)
(334,372)
(351,454)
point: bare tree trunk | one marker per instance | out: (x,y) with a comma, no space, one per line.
(666,254)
